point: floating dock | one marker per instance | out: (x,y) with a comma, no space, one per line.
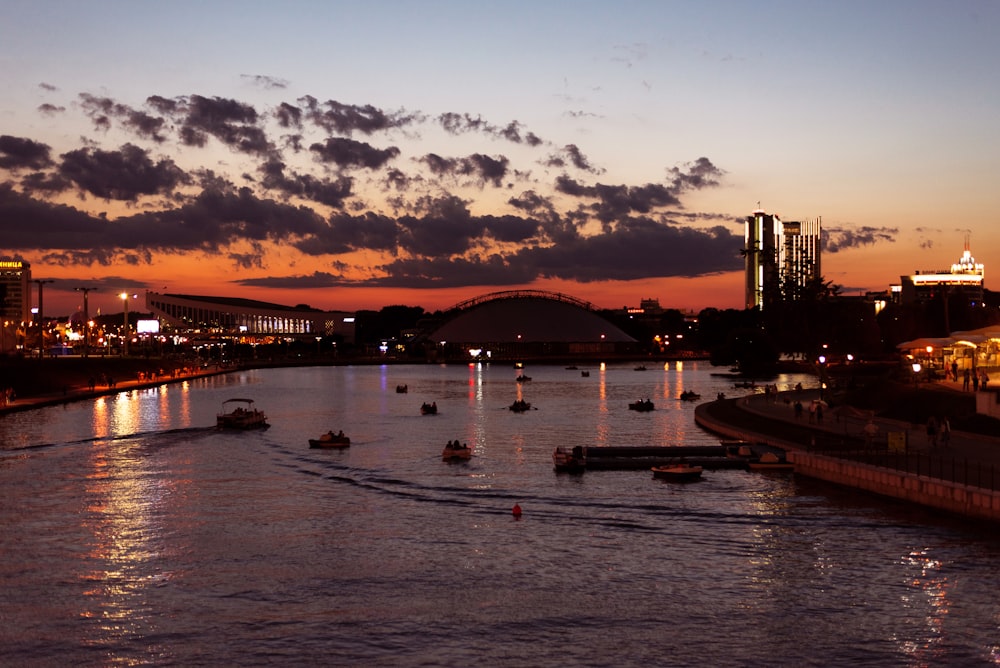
(727,455)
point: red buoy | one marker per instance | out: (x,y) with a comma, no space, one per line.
(516,510)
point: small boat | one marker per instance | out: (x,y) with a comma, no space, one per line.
(330,440)
(402,389)
(680,472)
(570,461)
(585,374)
(241,416)
(523,379)
(738,449)
(641,367)
(642,405)
(770,462)
(519,406)
(429,408)
(456,450)
(690,395)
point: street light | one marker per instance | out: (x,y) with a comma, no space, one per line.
(86,320)
(125,297)
(41,316)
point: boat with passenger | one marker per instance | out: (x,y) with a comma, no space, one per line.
(240,414)
(456,450)
(402,389)
(642,405)
(690,395)
(330,440)
(519,406)
(429,408)
(572,460)
(678,472)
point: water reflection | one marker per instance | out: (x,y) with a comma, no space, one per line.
(121,495)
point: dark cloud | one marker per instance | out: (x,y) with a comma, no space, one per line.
(350,153)
(571,155)
(266,82)
(457,124)
(325,191)
(21,153)
(124,174)
(47,87)
(483,168)
(836,239)
(231,122)
(47,109)
(289,116)
(345,119)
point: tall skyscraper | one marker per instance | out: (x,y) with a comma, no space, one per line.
(781,258)
(15,290)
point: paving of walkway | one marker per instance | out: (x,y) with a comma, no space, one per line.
(774,417)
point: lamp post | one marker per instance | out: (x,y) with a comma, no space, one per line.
(41,315)
(125,297)
(86,320)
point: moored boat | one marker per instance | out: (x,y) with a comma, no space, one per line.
(330,440)
(680,472)
(240,414)
(570,460)
(770,462)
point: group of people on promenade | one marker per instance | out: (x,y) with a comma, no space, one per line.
(977,379)
(938,431)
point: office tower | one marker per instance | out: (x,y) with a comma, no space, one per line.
(782,258)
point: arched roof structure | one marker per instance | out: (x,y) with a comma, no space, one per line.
(527,317)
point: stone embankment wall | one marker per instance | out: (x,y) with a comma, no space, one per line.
(952,497)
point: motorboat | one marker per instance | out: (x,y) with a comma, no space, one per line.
(770,462)
(429,408)
(402,389)
(456,450)
(679,472)
(523,379)
(240,414)
(519,406)
(690,395)
(642,405)
(585,374)
(572,460)
(330,440)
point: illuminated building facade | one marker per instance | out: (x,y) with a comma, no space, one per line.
(247,318)
(965,278)
(781,257)
(15,300)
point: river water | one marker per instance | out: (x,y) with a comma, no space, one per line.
(134,533)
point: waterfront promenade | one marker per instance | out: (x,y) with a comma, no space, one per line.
(900,461)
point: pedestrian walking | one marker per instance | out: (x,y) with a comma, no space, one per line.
(932,431)
(984,378)
(954,370)
(945,432)
(975,381)
(965,380)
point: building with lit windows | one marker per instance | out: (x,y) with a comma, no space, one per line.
(15,300)
(247,318)
(780,257)
(965,278)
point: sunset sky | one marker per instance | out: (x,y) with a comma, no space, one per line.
(357,155)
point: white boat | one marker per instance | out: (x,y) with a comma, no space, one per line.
(240,414)
(678,472)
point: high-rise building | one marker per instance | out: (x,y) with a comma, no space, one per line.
(15,300)
(781,257)
(15,290)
